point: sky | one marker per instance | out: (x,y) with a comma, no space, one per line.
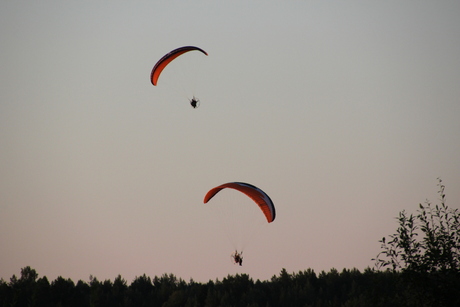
(344,112)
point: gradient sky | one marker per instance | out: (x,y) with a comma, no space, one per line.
(344,112)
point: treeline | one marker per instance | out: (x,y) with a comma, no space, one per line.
(305,288)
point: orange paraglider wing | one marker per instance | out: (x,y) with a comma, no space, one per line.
(256,194)
(165,60)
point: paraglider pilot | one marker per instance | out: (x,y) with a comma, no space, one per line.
(194,102)
(238,258)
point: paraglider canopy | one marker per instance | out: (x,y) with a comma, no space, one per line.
(257,195)
(166,59)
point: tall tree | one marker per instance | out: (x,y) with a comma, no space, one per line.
(426,249)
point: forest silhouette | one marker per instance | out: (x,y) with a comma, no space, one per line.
(419,265)
(350,287)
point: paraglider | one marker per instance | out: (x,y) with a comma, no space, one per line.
(257,195)
(168,58)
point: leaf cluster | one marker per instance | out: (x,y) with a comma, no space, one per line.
(426,249)
(428,241)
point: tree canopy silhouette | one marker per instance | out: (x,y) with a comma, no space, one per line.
(426,249)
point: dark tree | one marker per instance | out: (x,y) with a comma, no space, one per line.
(141,292)
(62,291)
(426,249)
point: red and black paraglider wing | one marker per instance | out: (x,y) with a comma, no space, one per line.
(257,195)
(165,60)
